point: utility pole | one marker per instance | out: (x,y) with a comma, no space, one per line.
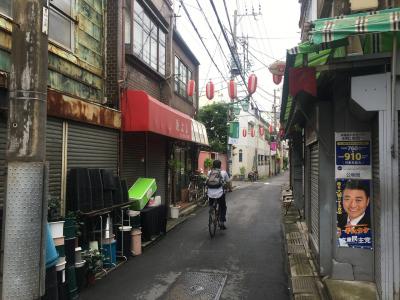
(237,69)
(26,203)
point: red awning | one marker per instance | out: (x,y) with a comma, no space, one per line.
(141,112)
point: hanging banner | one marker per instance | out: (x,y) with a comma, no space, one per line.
(234,130)
(353,185)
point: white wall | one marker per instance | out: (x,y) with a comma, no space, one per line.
(249,145)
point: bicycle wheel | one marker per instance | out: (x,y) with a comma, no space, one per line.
(212,222)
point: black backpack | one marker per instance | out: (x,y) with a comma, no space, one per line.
(215,180)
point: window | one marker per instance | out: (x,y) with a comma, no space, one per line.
(182,75)
(61,24)
(127,16)
(148,40)
(5,7)
(240,155)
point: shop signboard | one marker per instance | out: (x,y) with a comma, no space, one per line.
(353,185)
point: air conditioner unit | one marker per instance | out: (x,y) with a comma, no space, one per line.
(357,5)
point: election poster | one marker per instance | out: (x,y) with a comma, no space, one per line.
(353,185)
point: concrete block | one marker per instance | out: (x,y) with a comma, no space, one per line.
(343,271)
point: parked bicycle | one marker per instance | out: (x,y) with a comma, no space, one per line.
(198,189)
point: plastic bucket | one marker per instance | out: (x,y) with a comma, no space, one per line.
(51,253)
(60,268)
(57,229)
(78,255)
(136,242)
(110,253)
(174,212)
(59,241)
(124,235)
(51,287)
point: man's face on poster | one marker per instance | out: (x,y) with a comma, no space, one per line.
(355,202)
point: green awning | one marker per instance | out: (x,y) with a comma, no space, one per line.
(333,29)
(329,38)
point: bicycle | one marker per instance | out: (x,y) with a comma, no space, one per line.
(197,190)
(213,218)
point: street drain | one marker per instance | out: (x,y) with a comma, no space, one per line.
(197,285)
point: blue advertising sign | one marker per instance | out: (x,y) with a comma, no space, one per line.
(353,155)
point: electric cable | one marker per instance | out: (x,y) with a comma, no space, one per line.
(227,41)
(195,28)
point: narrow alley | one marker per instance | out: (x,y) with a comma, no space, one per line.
(247,261)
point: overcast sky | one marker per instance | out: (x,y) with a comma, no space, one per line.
(270,34)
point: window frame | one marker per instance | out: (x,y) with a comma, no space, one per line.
(240,155)
(179,84)
(143,22)
(69,17)
(10,15)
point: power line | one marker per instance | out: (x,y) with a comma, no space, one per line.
(227,41)
(229,20)
(195,28)
(262,53)
(257,58)
(208,23)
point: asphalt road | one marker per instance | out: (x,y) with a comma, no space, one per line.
(246,261)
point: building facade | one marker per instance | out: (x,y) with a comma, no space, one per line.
(251,150)
(340,108)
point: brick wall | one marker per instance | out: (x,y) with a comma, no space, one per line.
(113,24)
(138,79)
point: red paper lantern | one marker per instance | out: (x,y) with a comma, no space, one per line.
(271,129)
(281,132)
(253,132)
(277,78)
(210,90)
(244,132)
(190,87)
(252,84)
(232,89)
(261,131)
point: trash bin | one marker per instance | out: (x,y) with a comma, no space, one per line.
(136,243)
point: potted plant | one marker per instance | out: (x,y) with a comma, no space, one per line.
(94,260)
(208,164)
(54,217)
(242,173)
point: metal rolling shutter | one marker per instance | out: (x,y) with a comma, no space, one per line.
(134,146)
(297,161)
(158,163)
(314,193)
(3,169)
(376,203)
(54,146)
(92,147)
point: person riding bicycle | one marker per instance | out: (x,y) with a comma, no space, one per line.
(217,178)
